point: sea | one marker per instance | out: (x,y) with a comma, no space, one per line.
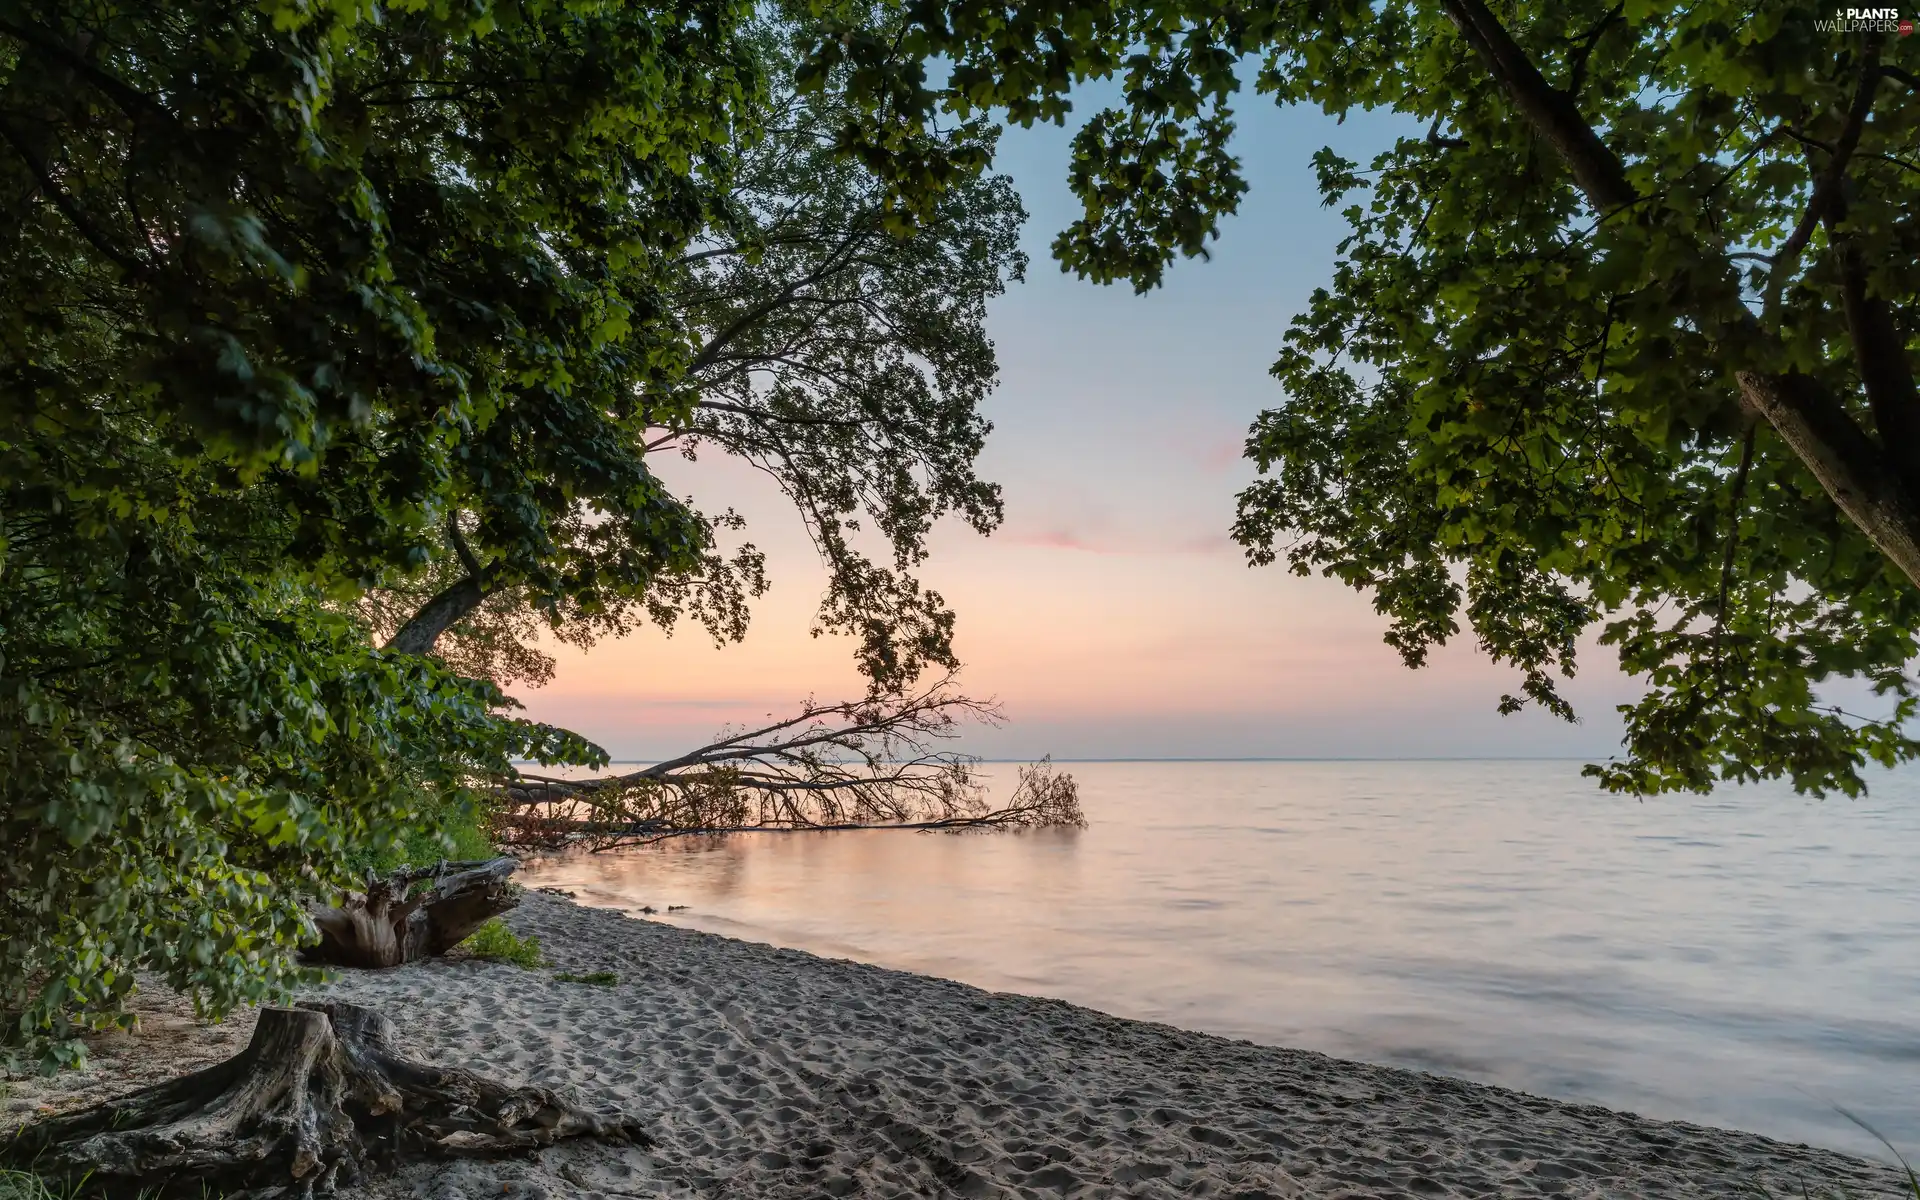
(1748,959)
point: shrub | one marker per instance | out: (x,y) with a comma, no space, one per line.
(452,828)
(495,941)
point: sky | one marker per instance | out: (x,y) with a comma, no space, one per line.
(1111,616)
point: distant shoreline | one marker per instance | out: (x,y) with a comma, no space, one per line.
(1579,758)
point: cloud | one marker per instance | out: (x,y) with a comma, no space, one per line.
(1067,539)
(1223,453)
(1057,539)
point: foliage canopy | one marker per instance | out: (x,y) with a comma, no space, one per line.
(338,320)
(1625,340)
(846,362)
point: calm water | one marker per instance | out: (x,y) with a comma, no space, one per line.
(1750,959)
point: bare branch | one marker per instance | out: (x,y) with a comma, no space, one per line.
(866,764)
(827,266)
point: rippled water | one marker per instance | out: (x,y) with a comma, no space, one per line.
(1750,959)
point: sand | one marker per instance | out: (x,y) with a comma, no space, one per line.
(767,1073)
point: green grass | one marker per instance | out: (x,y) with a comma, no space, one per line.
(495,941)
(603,978)
(1913,1181)
(25,1185)
(19,1185)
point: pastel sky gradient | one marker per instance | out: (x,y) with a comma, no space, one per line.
(1111,615)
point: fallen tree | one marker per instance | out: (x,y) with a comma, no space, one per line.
(320,1094)
(393,921)
(866,764)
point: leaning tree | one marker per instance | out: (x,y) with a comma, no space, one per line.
(880,762)
(266,272)
(282,287)
(1625,339)
(842,355)
(845,357)
(299,301)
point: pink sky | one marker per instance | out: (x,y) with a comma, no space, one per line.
(1111,616)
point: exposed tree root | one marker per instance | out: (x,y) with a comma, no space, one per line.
(319,1095)
(392,923)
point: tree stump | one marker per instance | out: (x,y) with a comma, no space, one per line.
(319,1095)
(391,923)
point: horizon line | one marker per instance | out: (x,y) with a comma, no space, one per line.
(1255,758)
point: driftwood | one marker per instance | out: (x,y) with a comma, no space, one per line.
(874,763)
(319,1095)
(539,814)
(413,914)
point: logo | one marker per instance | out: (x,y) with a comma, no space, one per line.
(1866,20)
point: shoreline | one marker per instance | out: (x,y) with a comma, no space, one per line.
(762,1073)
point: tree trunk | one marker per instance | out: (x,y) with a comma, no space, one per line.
(390,923)
(320,1094)
(1848,465)
(1872,484)
(436,616)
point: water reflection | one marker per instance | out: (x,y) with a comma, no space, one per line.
(1748,960)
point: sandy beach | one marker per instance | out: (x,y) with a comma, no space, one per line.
(765,1073)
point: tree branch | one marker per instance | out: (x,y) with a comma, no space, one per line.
(1828,185)
(1553,114)
(1843,458)
(1578,75)
(1879,352)
(783,418)
(827,265)
(1884,367)
(68,208)
(1854,471)
(126,98)
(437,616)
(448,607)
(461,550)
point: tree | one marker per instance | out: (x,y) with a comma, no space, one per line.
(300,301)
(1625,339)
(193,742)
(847,358)
(844,357)
(266,272)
